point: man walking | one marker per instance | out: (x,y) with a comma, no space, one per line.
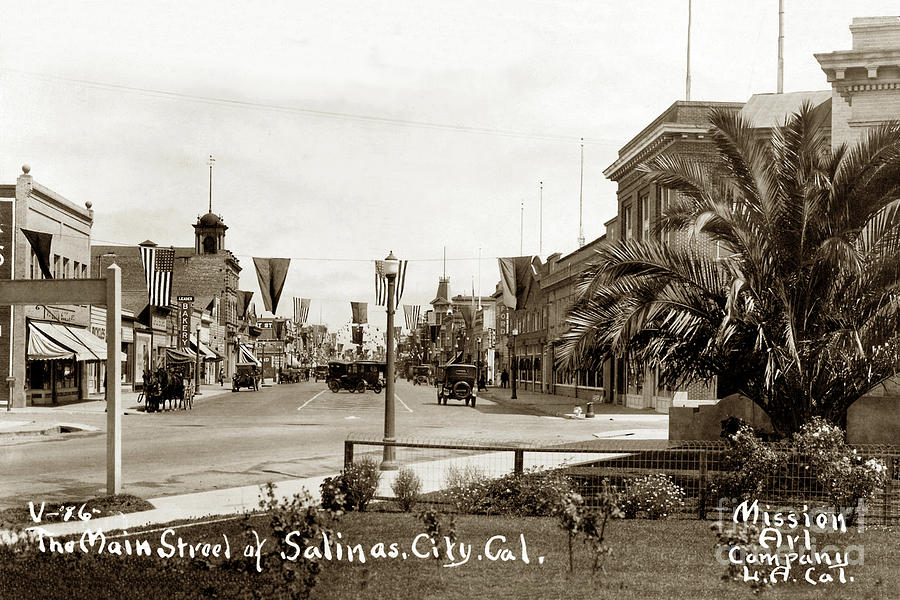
(504,378)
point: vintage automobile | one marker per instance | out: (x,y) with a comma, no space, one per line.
(458,383)
(321,372)
(371,372)
(341,378)
(245,375)
(421,375)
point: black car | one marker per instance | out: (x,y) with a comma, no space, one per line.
(458,383)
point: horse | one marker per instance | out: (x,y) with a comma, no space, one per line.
(164,390)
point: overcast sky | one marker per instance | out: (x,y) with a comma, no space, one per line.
(342,130)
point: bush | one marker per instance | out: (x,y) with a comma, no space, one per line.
(750,466)
(846,476)
(407,487)
(589,519)
(656,495)
(466,487)
(532,493)
(354,488)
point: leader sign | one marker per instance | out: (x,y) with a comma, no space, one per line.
(185,307)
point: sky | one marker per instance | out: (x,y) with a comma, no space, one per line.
(344,130)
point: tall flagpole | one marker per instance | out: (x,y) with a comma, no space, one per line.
(687,79)
(581,199)
(541,221)
(211,162)
(780,46)
(521,225)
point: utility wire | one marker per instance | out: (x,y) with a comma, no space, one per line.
(313,112)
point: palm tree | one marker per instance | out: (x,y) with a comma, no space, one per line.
(801,312)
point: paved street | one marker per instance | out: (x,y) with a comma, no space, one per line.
(280,432)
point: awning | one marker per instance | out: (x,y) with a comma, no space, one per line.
(80,343)
(205,352)
(180,356)
(247,357)
(40,347)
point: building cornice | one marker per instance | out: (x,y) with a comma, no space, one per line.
(653,143)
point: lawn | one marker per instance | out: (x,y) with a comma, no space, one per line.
(651,559)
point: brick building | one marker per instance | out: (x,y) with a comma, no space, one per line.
(207,271)
(48,354)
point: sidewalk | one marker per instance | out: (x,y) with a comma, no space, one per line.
(42,420)
(555,406)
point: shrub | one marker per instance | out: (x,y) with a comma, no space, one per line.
(846,476)
(466,487)
(354,488)
(438,527)
(407,487)
(656,495)
(532,493)
(749,466)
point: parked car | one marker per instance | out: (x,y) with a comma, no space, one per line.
(458,383)
(245,375)
(370,372)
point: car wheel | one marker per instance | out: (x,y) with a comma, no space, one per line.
(377,388)
(361,387)
(334,386)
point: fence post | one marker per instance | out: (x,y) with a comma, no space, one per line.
(348,454)
(519,461)
(702,485)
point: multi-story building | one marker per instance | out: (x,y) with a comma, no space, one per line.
(207,271)
(48,354)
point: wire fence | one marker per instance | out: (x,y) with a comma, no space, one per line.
(699,468)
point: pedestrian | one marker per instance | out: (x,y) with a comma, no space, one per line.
(481,382)
(504,378)
(221,376)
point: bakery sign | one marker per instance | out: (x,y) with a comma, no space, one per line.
(185,307)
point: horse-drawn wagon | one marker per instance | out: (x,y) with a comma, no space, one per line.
(171,385)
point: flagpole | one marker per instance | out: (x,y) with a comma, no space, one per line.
(541,222)
(210,163)
(687,79)
(580,199)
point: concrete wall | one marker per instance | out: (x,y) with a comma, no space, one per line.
(875,418)
(705,422)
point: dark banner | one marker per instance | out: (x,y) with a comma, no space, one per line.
(185,308)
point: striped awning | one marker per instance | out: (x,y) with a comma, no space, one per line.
(205,352)
(77,341)
(247,357)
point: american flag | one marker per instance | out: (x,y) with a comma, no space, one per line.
(381,283)
(411,312)
(301,310)
(158,265)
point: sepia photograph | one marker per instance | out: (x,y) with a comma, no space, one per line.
(509,299)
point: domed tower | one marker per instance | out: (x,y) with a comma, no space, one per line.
(209,234)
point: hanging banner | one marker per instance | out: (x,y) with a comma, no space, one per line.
(185,309)
(271,273)
(360,312)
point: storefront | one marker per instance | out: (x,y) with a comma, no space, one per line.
(63,363)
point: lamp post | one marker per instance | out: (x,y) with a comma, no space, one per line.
(515,369)
(197,374)
(389,460)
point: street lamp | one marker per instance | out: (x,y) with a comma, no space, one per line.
(197,374)
(389,461)
(514,366)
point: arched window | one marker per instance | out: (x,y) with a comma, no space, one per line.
(209,245)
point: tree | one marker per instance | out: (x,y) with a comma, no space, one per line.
(800,313)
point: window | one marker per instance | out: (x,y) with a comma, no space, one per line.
(35,267)
(56,274)
(626,222)
(665,202)
(84,271)
(645,216)
(76,269)
(65,269)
